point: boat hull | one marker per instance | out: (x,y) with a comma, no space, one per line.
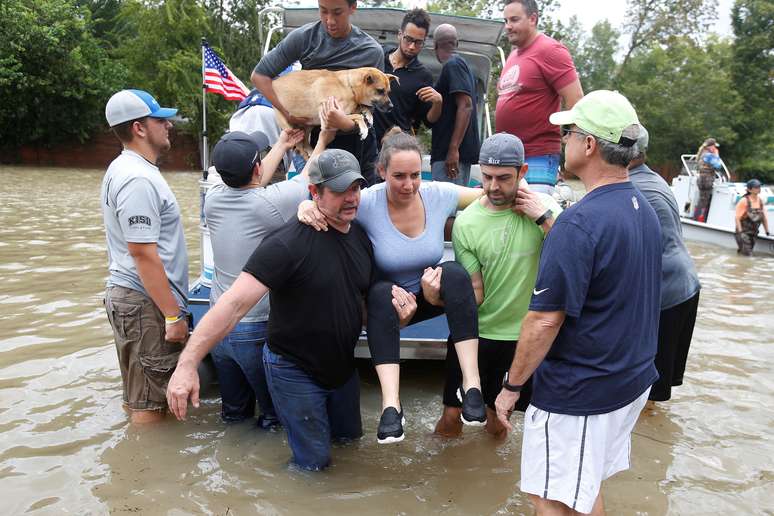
(723,237)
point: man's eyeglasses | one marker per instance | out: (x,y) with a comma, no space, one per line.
(408,40)
(566,131)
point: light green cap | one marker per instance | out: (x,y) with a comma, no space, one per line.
(603,113)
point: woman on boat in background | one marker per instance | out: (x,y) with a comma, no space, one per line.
(708,161)
(405,218)
(750,213)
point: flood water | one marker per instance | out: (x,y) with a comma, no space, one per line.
(66,446)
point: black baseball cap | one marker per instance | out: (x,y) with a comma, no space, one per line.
(335,169)
(236,154)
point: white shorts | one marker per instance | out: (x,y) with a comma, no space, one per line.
(566,458)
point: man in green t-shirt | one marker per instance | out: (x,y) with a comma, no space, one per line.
(498,241)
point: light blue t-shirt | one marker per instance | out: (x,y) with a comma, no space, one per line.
(399,258)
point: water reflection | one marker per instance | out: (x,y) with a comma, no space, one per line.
(65,445)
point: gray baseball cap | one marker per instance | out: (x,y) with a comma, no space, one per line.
(502,150)
(335,169)
(643,140)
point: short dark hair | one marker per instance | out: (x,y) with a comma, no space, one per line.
(418,17)
(123,131)
(530,6)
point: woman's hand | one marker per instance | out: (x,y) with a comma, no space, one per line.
(405,304)
(309,214)
(431,285)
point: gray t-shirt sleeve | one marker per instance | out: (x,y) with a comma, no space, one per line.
(287,195)
(287,52)
(139,212)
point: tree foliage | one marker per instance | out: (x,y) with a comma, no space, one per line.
(54,76)
(752,69)
(650,23)
(683,94)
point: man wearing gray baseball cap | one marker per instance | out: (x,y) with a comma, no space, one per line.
(498,240)
(147,287)
(318,281)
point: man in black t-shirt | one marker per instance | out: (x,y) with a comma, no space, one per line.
(455,140)
(413,98)
(318,280)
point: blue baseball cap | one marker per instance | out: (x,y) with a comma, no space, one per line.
(129,105)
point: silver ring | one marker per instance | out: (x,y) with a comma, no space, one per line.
(402,305)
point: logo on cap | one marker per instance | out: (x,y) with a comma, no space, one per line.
(493,161)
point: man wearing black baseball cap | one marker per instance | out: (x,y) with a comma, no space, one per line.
(509,221)
(318,281)
(240,213)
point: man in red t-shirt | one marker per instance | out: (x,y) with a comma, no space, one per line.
(538,73)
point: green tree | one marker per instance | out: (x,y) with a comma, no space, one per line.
(594,55)
(752,70)
(683,93)
(655,22)
(54,76)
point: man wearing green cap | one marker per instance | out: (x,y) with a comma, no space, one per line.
(591,332)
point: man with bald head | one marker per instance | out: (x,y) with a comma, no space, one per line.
(455,141)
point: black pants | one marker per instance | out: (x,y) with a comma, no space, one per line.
(459,306)
(494,360)
(675,330)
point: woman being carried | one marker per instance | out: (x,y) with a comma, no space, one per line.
(405,220)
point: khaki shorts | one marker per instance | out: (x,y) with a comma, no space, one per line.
(146,359)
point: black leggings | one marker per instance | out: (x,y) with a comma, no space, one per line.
(459,306)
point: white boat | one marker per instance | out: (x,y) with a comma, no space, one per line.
(719,228)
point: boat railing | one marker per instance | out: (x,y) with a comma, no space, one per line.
(691,168)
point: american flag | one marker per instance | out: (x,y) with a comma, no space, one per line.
(219,79)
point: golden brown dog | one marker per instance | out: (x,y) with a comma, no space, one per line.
(357,91)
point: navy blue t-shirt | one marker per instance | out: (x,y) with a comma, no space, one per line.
(455,77)
(601,265)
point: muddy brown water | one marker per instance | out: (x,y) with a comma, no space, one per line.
(66,446)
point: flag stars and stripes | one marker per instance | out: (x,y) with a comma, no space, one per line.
(219,79)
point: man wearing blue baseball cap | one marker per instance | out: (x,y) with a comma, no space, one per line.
(147,286)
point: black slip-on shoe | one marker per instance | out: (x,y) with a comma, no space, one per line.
(473,408)
(391,426)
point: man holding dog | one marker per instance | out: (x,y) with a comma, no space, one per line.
(332,43)
(591,332)
(413,98)
(455,139)
(147,286)
(538,75)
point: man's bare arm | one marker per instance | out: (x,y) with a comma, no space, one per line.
(477,280)
(538,332)
(571,93)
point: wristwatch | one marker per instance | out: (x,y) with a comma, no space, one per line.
(544,217)
(510,387)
